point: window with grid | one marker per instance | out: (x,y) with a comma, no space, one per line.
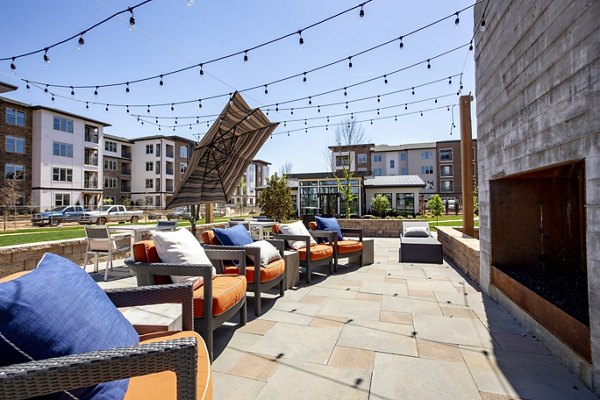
(14,171)
(447,186)
(446,170)
(149,149)
(14,145)
(362,158)
(62,149)
(110,165)
(110,183)
(446,155)
(62,199)
(62,175)
(149,183)
(149,166)
(110,146)
(63,124)
(14,117)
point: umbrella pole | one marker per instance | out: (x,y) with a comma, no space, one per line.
(194,218)
(210,216)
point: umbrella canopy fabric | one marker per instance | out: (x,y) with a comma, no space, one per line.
(220,159)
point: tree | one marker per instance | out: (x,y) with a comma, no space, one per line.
(108,201)
(476,201)
(348,133)
(436,206)
(380,204)
(8,197)
(286,168)
(275,201)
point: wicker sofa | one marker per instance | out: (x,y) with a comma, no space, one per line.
(183,353)
(419,249)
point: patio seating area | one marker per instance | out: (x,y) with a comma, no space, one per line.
(388,330)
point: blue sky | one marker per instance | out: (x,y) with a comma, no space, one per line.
(170,35)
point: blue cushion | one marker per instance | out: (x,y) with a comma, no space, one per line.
(58,309)
(237,235)
(329,224)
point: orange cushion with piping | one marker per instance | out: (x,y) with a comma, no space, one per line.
(227,291)
(312,225)
(349,246)
(268,273)
(317,252)
(145,251)
(163,385)
(209,237)
(276,229)
(13,276)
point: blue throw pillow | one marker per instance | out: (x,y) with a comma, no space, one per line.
(329,224)
(237,235)
(58,309)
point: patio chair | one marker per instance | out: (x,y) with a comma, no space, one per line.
(100,241)
(418,245)
(149,365)
(271,274)
(166,225)
(343,248)
(312,255)
(227,291)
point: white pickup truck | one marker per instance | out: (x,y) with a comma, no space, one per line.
(106,214)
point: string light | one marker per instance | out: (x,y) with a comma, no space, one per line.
(46,89)
(300,39)
(161,83)
(72,91)
(46,58)
(245,55)
(107,107)
(401,42)
(199,103)
(127,109)
(27,87)
(96,91)
(413,91)
(266,90)
(127,88)
(87,105)
(385,79)
(304,77)
(361,13)
(428,64)
(457,20)
(201,69)
(173,107)
(309,100)
(471,45)
(13,67)
(131,20)
(482,26)
(80,42)
(349,62)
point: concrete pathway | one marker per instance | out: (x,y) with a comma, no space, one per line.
(386,331)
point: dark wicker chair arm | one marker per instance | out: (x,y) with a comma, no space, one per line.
(36,378)
(227,253)
(141,269)
(159,294)
(283,236)
(353,232)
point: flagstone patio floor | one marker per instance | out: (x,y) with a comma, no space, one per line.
(385,331)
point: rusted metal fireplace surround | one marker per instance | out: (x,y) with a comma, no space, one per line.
(538,241)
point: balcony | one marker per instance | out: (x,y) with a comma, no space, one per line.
(91,137)
(125,187)
(91,161)
(125,170)
(125,152)
(90,184)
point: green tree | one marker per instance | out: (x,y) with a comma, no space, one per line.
(243,192)
(436,206)
(275,201)
(348,196)
(380,204)
(476,201)
(107,201)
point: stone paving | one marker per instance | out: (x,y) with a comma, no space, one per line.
(387,331)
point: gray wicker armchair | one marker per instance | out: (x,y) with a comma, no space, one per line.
(206,320)
(182,356)
(256,286)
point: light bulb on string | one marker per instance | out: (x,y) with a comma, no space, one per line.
(161,83)
(371,122)
(457,20)
(385,79)
(291,111)
(13,67)
(421,113)
(346,105)
(378,99)
(428,64)
(326,127)
(304,77)
(148,110)
(173,107)
(46,58)
(319,109)
(378,111)
(413,91)
(107,107)
(305,123)
(201,69)
(482,25)
(197,120)
(27,85)
(435,101)
(96,91)
(175,120)
(406,106)
(46,89)
(284,123)
(349,62)
(345,92)
(277,107)
(351,115)
(127,109)
(471,45)
(199,103)
(396,118)
(300,40)
(127,87)
(401,42)
(52,97)
(72,91)
(245,56)
(266,90)
(80,42)
(87,105)
(309,100)
(361,13)
(449,80)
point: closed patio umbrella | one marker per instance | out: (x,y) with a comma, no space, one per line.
(220,159)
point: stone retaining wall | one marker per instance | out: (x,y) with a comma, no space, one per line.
(375,227)
(460,249)
(25,257)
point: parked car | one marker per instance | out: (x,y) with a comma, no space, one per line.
(57,215)
(179,213)
(106,214)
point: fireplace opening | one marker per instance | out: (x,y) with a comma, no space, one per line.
(538,235)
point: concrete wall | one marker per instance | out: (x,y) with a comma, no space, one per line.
(375,227)
(460,249)
(537,99)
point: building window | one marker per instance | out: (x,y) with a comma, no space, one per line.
(377,171)
(447,186)
(91,134)
(110,165)
(429,185)
(426,169)
(149,149)
(446,155)
(157,185)
(62,199)
(157,150)
(182,167)
(14,171)
(405,203)
(362,169)
(403,171)
(110,146)
(149,183)
(15,145)
(426,155)
(392,164)
(183,151)
(62,175)
(403,156)
(446,170)
(14,117)
(342,161)
(377,158)
(62,149)
(110,183)
(149,166)
(157,168)
(362,158)
(63,124)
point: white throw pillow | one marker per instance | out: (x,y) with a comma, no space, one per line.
(417,231)
(296,228)
(268,252)
(181,247)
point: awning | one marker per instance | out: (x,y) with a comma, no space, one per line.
(220,159)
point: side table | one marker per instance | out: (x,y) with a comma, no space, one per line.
(292,268)
(368,253)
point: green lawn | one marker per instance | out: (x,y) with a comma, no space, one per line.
(45,234)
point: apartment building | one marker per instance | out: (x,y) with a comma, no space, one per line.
(117,164)
(255,176)
(448,154)
(355,157)
(16,135)
(160,162)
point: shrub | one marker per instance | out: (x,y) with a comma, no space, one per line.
(380,204)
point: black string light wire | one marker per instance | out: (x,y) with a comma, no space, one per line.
(80,41)
(201,65)
(247,50)
(260,86)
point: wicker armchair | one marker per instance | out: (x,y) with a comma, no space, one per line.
(206,320)
(345,248)
(256,286)
(182,356)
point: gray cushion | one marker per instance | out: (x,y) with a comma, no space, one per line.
(417,231)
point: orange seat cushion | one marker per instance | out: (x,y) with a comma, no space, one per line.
(145,251)
(13,276)
(312,225)
(227,291)
(268,273)
(317,252)
(209,237)
(163,385)
(276,229)
(349,246)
